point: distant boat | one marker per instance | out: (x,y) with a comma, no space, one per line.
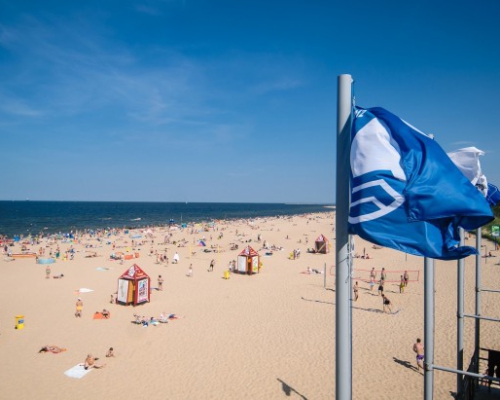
(135,219)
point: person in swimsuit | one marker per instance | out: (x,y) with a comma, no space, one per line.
(383,275)
(79,308)
(402,285)
(381,288)
(418,348)
(51,349)
(90,363)
(387,303)
(355,289)
(373,274)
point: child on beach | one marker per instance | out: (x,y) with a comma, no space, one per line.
(110,352)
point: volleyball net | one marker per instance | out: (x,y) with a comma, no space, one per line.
(390,275)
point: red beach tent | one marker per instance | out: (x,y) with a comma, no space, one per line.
(322,245)
(133,286)
(248,261)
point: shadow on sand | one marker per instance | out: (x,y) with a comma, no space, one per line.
(318,301)
(374,310)
(405,364)
(288,390)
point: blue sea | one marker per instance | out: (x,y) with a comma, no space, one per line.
(33,217)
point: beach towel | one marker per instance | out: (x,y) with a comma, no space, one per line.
(78,371)
(103,269)
(84,290)
(98,315)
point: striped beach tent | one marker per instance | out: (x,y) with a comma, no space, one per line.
(322,245)
(249,261)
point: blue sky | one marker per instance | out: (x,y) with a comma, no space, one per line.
(229,101)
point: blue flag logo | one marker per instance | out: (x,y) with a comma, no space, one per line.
(493,195)
(406,193)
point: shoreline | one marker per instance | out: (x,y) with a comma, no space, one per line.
(188,225)
(85,216)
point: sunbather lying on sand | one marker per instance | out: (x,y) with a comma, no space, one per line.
(90,363)
(51,349)
(164,317)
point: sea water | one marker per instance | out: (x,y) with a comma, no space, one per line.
(32,217)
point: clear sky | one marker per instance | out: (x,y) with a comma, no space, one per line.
(229,101)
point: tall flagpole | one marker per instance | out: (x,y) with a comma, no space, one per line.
(428,328)
(460,316)
(343,345)
(477,334)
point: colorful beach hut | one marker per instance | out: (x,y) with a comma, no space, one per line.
(322,245)
(133,286)
(248,261)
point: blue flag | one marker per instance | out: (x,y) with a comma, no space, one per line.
(406,193)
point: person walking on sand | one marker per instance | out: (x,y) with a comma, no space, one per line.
(47,272)
(190,271)
(381,288)
(386,303)
(160,282)
(211,268)
(383,275)
(373,275)
(79,308)
(355,288)
(418,348)
(402,285)
(406,278)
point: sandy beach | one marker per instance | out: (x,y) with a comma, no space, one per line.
(266,336)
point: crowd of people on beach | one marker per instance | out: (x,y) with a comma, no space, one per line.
(161,256)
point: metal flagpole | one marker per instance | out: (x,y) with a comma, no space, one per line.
(477,340)
(343,345)
(324,276)
(460,316)
(428,328)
